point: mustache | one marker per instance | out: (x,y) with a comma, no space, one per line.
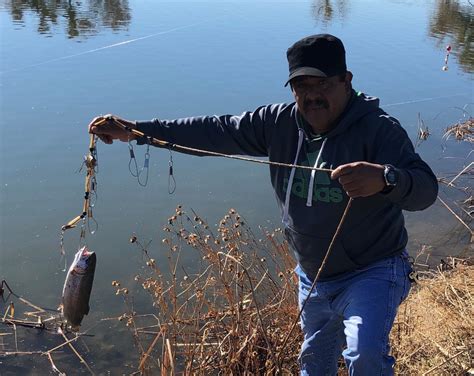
(316,103)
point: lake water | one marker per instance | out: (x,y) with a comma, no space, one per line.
(62,63)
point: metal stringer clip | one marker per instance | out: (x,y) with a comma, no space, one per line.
(171,179)
(133,165)
(133,161)
(146,165)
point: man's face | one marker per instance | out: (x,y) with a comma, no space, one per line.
(321,100)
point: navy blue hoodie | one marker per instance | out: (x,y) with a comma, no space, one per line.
(311,203)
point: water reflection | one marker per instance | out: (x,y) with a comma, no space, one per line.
(80,18)
(452,22)
(325,10)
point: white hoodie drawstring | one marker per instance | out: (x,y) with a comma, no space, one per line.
(309,200)
(290,181)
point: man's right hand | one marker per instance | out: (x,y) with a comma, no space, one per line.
(106,127)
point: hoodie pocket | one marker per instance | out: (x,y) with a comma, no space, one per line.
(310,251)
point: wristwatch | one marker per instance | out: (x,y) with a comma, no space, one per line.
(390,175)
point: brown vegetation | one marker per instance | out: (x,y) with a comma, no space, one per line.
(461,131)
(434,330)
(234,315)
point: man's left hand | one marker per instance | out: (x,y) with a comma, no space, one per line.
(360,179)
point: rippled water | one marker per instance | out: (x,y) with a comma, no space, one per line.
(62,63)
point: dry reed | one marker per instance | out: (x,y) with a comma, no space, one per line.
(434,330)
(232,316)
(461,131)
(461,209)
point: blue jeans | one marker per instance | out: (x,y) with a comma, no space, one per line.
(357,309)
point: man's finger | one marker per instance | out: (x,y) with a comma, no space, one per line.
(93,123)
(103,127)
(351,186)
(347,179)
(100,121)
(99,129)
(341,170)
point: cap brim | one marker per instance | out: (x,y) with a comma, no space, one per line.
(306,71)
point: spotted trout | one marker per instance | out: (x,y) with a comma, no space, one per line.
(77,287)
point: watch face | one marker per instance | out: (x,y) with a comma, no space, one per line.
(390,176)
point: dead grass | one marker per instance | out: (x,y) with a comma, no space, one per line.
(461,131)
(434,330)
(233,316)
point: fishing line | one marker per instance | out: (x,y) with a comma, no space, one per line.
(103,48)
(423,100)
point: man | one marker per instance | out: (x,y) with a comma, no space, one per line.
(330,126)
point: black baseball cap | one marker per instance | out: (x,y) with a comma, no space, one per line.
(320,55)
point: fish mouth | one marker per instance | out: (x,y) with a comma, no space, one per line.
(85,252)
(86,255)
(83,260)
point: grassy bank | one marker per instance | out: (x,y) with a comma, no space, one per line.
(434,330)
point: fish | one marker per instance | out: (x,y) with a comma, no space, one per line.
(77,287)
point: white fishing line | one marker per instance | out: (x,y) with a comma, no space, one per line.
(421,100)
(103,48)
